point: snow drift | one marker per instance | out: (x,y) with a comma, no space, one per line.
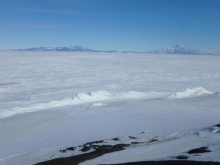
(189,93)
(81,98)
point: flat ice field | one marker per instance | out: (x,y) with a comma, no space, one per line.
(53,100)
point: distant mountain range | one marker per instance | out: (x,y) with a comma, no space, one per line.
(178,49)
(64,49)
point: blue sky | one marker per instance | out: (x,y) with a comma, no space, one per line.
(138,25)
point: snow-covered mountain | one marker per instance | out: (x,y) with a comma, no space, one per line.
(181,49)
(70,48)
(66,49)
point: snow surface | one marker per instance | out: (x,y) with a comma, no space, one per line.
(54,100)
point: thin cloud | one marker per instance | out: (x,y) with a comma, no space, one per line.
(38,25)
(56,11)
(49,11)
(68,1)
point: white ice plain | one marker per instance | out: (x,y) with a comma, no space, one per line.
(50,101)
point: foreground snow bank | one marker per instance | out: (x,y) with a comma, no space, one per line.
(189,93)
(202,145)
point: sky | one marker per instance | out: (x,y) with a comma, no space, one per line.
(123,25)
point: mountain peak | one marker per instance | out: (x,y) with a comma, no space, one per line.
(177,49)
(180,46)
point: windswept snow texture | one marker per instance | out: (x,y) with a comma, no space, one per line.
(54,100)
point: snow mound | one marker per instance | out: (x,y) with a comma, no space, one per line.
(189,93)
(97,104)
(95,96)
